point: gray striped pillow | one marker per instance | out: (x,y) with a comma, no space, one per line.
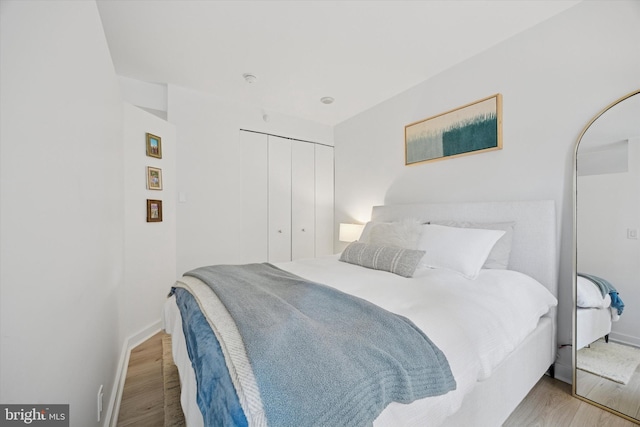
(400,261)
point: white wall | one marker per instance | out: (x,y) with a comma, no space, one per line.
(61,221)
(209,170)
(151,97)
(608,205)
(553,77)
(150,247)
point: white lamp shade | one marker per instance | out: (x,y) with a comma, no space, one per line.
(350,232)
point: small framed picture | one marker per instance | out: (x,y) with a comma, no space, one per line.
(154,146)
(154,178)
(154,210)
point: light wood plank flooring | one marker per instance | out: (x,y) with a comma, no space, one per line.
(621,397)
(143,394)
(549,404)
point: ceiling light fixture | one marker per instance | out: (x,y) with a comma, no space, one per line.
(249,78)
(327,100)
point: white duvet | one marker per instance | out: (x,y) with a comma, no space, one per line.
(588,295)
(476,323)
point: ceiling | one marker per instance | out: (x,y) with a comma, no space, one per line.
(358,52)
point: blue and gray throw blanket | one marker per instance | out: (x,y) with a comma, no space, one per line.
(218,403)
(320,357)
(606,288)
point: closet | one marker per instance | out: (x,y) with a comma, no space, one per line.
(286,197)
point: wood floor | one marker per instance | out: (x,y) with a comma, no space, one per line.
(143,395)
(549,404)
(623,398)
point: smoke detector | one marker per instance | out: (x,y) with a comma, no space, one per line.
(327,100)
(249,78)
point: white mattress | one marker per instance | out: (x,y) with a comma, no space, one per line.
(477,324)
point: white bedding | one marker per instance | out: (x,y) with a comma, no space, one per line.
(589,294)
(591,325)
(594,313)
(476,323)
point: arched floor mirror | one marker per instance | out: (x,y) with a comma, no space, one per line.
(606,344)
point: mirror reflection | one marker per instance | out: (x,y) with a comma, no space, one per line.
(607,322)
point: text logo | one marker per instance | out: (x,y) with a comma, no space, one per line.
(34,415)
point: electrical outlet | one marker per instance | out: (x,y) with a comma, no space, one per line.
(632,233)
(99,401)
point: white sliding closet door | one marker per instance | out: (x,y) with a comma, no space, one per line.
(279,196)
(254,195)
(302,200)
(324,183)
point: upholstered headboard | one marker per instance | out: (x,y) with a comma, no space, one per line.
(534,246)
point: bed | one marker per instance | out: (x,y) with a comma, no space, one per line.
(598,305)
(445,302)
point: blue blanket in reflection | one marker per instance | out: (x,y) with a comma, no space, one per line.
(606,288)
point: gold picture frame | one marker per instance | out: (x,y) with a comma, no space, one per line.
(154,146)
(154,210)
(470,129)
(154,178)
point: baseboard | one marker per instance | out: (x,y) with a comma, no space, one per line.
(625,339)
(111,415)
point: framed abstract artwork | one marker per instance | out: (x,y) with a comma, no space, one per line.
(470,129)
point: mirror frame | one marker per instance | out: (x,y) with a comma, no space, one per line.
(575,259)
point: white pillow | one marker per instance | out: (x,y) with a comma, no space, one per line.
(459,249)
(499,256)
(402,234)
(366,231)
